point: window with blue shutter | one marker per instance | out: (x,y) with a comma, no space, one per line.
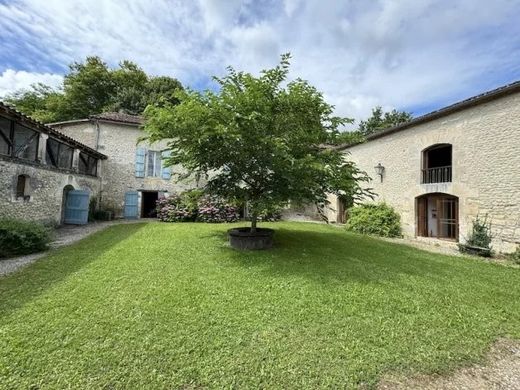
(140,158)
(166,173)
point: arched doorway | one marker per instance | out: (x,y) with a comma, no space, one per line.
(437,216)
(66,191)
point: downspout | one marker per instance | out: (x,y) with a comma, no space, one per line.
(97,135)
(98,131)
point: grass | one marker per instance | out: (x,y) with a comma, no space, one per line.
(172,306)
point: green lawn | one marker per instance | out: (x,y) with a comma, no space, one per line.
(172,306)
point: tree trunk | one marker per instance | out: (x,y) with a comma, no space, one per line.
(253,222)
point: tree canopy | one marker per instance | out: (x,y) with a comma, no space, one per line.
(92,87)
(380,120)
(259,139)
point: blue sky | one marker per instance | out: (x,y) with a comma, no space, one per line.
(406,54)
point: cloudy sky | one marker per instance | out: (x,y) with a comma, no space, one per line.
(414,55)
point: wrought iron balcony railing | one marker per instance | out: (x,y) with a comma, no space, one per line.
(436,175)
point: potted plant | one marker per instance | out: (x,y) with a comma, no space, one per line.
(258,140)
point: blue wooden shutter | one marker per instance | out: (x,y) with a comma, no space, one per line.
(166,173)
(131,204)
(140,158)
(76,207)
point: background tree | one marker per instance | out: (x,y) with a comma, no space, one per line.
(258,140)
(380,120)
(92,87)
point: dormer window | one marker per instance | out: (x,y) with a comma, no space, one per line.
(437,164)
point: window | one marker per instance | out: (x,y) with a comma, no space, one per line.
(25,143)
(87,164)
(437,164)
(5,136)
(154,164)
(22,187)
(58,154)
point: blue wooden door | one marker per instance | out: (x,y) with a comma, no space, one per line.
(76,207)
(131,204)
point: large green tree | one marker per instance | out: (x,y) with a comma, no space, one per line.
(259,139)
(380,120)
(92,87)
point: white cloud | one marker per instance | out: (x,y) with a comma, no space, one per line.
(399,54)
(12,80)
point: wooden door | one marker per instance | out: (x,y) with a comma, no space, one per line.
(76,207)
(448,221)
(422,217)
(131,204)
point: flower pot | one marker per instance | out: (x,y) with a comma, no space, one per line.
(243,239)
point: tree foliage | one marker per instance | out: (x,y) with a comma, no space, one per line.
(92,87)
(259,139)
(380,120)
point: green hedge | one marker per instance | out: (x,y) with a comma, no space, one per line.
(374,218)
(21,237)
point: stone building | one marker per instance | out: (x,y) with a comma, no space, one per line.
(44,175)
(134,175)
(441,170)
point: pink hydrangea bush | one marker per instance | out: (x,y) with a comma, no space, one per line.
(213,209)
(190,206)
(174,209)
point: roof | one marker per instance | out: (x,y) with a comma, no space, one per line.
(113,117)
(119,117)
(48,130)
(459,106)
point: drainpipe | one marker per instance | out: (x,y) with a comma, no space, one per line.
(97,135)
(100,171)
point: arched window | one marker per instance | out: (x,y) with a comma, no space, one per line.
(437,164)
(22,187)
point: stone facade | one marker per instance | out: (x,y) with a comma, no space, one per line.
(45,193)
(485,141)
(119,141)
(38,168)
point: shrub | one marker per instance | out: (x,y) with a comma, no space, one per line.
(214,209)
(270,214)
(103,215)
(515,256)
(21,237)
(175,209)
(479,240)
(92,207)
(374,218)
(193,205)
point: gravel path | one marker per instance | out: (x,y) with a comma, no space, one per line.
(64,235)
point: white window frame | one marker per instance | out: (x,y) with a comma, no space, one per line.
(155,169)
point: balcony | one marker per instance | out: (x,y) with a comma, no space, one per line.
(436,175)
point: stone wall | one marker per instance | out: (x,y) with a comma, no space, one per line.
(485,143)
(119,142)
(45,190)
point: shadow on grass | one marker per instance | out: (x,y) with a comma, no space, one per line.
(340,256)
(30,282)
